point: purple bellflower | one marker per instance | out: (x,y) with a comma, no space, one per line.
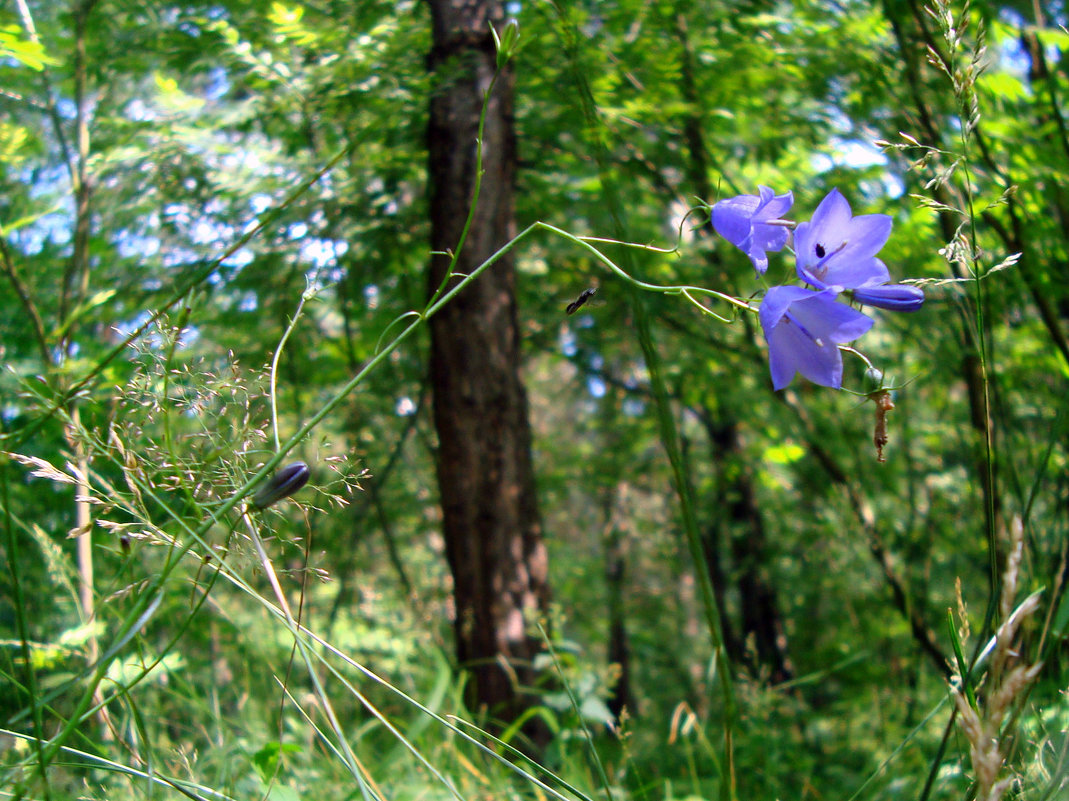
(744,222)
(804,329)
(836,250)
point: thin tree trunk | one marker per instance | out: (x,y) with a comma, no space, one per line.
(761,617)
(485,475)
(762,624)
(619,650)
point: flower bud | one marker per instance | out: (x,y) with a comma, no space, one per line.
(281,485)
(893,297)
(874,377)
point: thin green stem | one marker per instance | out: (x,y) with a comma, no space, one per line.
(455,255)
(308,292)
(603,777)
(12,551)
(670,440)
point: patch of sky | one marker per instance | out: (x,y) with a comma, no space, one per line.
(204,232)
(238,260)
(177,214)
(66,108)
(634,407)
(179,257)
(584,321)
(569,346)
(405,407)
(54,228)
(218,84)
(371,296)
(126,328)
(249,302)
(139,111)
(51,186)
(595,386)
(855,154)
(54,182)
(1012,55)
(211,231)
(246,159)
(130,244)
(322,252)
(260,203)
(189,335)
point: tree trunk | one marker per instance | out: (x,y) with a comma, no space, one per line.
(485,476)
(762,625)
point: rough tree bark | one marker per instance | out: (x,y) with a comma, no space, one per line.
(490,516)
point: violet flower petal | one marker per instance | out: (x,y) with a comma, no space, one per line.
(743,221)
(803,329)
(836,249)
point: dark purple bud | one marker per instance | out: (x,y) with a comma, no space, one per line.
(281,485)
(893,297)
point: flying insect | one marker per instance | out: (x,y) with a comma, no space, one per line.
(577,304)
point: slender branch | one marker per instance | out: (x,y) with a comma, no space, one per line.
(75,287)
(922,634)
(50,106)
(27,302)
(309,292)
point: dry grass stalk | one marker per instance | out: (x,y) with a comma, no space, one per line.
(1005,682)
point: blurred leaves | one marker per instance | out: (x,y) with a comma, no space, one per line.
(204,118)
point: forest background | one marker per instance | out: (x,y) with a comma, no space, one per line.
(231,239)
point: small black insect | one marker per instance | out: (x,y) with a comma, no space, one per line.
(577,304)
(820,251)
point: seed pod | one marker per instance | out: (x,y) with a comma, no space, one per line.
(884,404)
(281,485)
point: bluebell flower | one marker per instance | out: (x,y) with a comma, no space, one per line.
(804,329)
(744,222)
(836,250)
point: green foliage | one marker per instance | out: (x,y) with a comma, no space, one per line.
(227,292)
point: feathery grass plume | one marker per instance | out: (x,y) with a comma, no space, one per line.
(1007,678)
